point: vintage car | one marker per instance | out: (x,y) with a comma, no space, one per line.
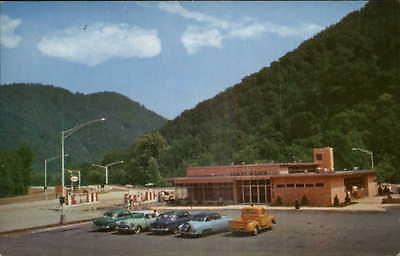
(204,223)
(139,221)
(168,222)
(110,218)
(252,220)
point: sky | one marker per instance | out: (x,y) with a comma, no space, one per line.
(168,56)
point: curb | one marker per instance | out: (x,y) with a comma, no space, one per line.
(44,228)
(289,209)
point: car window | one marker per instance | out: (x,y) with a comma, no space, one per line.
(138,215)
(216,217)
(108,214)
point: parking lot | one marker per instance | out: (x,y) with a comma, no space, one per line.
(296,233)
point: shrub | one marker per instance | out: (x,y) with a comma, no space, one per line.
(336,201)
(304,201)
(278,201)
(347,199)
(380,190)
(296,204)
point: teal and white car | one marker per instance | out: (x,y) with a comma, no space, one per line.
(204,223)
(110,218)
(139,221)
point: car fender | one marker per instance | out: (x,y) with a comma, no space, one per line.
(251,225)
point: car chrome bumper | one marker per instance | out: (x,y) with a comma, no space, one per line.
(123,228)
(241,230)
(160,230)
(102,227)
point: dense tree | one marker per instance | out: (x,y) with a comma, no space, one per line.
(15,171)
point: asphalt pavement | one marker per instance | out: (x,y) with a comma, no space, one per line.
(296,233)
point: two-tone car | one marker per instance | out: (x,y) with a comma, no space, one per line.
(168,222)
(252,221)
(110,218)
(138,222)
(204,223)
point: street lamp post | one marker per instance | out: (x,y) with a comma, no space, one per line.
(64,135)
(368,152)
(105,167)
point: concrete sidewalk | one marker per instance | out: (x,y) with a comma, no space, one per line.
(42,213)
(371,204)
(350,208)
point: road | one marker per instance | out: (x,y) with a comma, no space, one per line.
(296,233)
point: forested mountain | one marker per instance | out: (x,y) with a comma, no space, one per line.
(34,115)
(340,88)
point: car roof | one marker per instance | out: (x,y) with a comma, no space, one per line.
(205,214)
(144,212)
(174,212)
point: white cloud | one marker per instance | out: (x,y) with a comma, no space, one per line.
(176,8)
(215,30)
(99,42)
(8,38)
(247,31)
(195,38)
(304,30)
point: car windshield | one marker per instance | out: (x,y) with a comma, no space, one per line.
(167,215)
(199,218)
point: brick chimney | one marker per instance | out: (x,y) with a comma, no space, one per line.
(324,158)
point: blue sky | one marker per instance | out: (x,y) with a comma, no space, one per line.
(168,56)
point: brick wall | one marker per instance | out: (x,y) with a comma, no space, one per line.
(372,185)
(316,195)
(324,158)
(228,170)
(337,189)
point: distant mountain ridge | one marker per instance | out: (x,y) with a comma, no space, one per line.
(35,115)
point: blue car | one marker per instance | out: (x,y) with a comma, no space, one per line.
(204,223)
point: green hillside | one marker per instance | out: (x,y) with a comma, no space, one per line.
(340,88)
(34,115)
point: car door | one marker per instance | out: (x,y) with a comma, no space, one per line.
(149,219)
(124,215)
(217,222)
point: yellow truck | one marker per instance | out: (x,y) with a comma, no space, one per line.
(252,220)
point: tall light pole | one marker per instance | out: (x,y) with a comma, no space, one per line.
(64,135)
(368,152)
(45,171)
(106,167)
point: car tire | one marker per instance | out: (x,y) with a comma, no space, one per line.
(206,232)
(138,230)
(255,231)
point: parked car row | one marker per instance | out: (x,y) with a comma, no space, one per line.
(252,220)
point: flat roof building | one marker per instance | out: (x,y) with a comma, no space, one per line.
(264,183)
